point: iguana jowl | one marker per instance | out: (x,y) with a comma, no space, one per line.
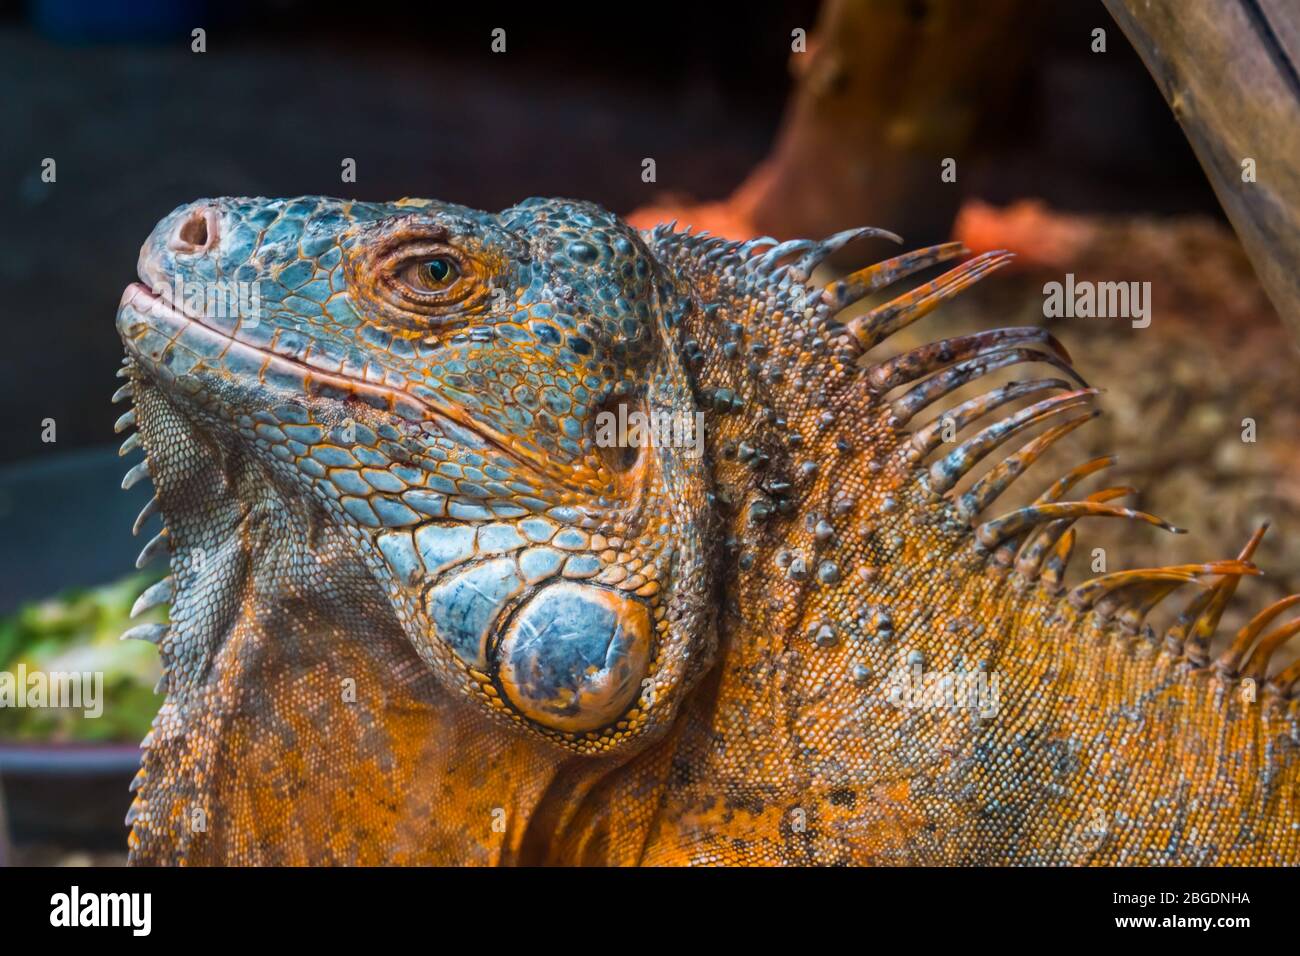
(420,614)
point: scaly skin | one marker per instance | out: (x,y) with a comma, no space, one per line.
(419,614)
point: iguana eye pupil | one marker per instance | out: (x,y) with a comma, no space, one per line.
(437,272)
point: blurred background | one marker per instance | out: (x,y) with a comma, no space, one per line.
(1064,153)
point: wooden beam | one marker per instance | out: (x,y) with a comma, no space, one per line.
(1228,69)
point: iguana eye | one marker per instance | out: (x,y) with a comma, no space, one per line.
(427,276)
(431,275)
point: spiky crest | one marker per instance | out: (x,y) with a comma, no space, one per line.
(1034,541)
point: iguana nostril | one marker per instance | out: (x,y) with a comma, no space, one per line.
(574,656)
(196,232)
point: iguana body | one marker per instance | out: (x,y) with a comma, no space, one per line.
(421,614)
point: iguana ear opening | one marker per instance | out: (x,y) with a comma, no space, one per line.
(609,433)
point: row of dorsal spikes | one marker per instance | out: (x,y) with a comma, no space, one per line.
(1038,539)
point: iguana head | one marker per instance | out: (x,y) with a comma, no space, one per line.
(436,383)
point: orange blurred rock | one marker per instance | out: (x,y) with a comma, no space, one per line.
(1039,236)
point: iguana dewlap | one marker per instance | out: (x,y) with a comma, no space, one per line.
(422,611)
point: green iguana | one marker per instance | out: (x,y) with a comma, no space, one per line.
(429,605)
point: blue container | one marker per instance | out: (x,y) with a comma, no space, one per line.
(91,21)
(65,522)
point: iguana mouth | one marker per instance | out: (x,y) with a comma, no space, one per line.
(154,311)
(142,311)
